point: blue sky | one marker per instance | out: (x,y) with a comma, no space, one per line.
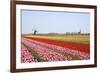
(54,22)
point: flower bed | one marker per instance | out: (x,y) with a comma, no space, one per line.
(26,56)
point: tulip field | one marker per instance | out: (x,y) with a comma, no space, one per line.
(36,48)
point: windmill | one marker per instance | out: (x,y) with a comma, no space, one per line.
(34,31)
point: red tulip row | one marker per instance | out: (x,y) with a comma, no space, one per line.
(71,45)
(26,56)
(44,52)
(76,53)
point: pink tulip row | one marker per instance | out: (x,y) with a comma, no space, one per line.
(81,55)
(26,56)
(45,53)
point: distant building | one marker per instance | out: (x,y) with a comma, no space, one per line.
(79,32)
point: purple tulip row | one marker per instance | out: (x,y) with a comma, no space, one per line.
(81,55)
(26,56)
(45,53)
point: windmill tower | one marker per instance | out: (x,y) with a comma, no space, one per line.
(34,31)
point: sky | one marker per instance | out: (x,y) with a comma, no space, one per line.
(54,21)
